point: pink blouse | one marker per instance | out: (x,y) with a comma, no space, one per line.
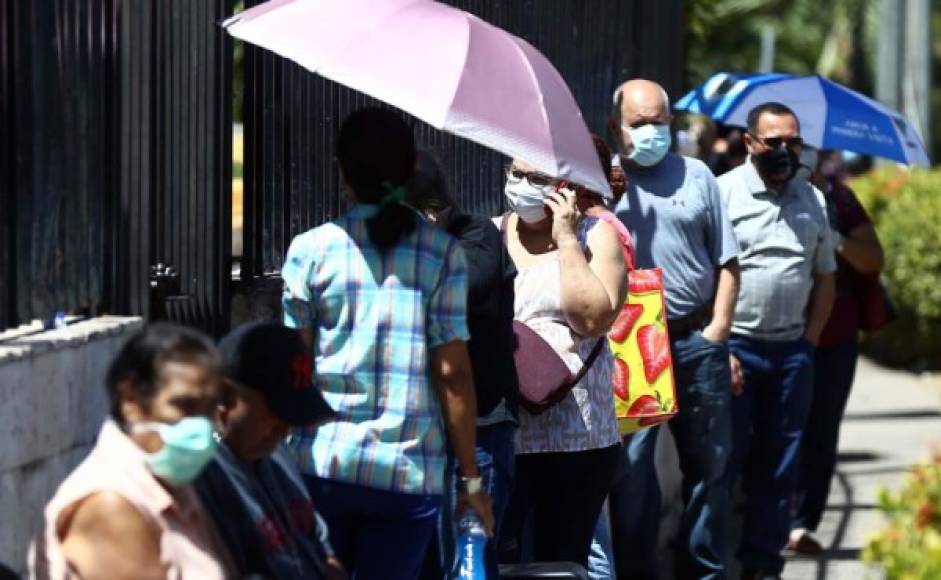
(623,235)
(188,547)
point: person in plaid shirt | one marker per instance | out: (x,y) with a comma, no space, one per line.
(381,298)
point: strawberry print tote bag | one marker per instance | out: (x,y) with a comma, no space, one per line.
(642,379)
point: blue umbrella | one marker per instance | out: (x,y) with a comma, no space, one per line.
(831,116)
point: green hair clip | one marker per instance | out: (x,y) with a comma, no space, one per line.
(397,193)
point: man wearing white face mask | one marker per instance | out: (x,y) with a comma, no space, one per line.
(674,212)
(129,510)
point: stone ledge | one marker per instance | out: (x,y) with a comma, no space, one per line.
(23,496)
(30,340)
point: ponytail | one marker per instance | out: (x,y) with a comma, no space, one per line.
(394,220)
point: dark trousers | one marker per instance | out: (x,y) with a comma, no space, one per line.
(768,421)
(495,460)
(562,493)
(834,370)
(378,535)
(634,504)
(703,433)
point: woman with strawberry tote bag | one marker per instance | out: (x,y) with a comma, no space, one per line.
(570,286)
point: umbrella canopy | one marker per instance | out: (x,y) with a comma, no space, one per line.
(444,66)
(831,115)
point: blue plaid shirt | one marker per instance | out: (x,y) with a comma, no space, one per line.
(375,319)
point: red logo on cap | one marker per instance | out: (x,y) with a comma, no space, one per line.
(303,368)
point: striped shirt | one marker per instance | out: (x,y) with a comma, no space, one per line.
(376,317)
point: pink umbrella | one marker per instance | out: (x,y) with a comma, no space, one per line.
(447,67)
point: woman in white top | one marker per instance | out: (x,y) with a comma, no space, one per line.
(570,287)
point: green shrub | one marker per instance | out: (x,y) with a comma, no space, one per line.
(879,187)
(910,228)
(909,546)
(906,208)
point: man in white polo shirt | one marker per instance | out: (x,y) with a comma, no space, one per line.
(787,289)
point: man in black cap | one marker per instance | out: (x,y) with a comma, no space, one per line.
(251,488)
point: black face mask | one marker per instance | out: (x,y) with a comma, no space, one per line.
(778,164)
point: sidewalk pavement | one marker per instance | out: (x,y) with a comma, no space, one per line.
(893,419)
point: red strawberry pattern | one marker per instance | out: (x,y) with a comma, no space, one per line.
(654,351)
(644,405)
(622,327)
(620,378)
(651,421)
(650,411)
(641,281)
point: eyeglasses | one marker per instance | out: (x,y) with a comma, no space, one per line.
(535,178)
(775,142)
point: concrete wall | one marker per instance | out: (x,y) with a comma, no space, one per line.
(52,402)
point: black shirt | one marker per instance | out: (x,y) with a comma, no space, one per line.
(490,295)
(265,516)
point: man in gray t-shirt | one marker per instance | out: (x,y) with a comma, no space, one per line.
(679,223)
(674,212)
(788,264)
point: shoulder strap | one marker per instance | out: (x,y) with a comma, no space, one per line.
(503,223)
(563,392)
(583,228)
(592,357)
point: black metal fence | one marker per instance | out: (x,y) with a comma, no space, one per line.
(115,157)
(7,164)
(175,162)
(56,143)
(115,144)
(292,116)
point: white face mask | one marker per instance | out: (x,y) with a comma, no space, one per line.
(651,143)
(527,200)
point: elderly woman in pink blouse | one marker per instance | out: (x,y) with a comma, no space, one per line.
(129,509)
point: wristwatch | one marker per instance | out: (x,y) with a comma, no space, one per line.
(470,485)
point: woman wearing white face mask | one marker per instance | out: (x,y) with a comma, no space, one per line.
(570,285)
(128,510)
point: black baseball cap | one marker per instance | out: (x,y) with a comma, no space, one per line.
(273,359)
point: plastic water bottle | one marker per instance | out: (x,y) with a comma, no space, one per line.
(56,322)
(471,540)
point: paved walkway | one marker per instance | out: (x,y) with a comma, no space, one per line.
(892,420)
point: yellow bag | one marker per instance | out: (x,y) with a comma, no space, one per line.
(642,378)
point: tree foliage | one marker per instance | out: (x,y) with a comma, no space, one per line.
(833,38)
